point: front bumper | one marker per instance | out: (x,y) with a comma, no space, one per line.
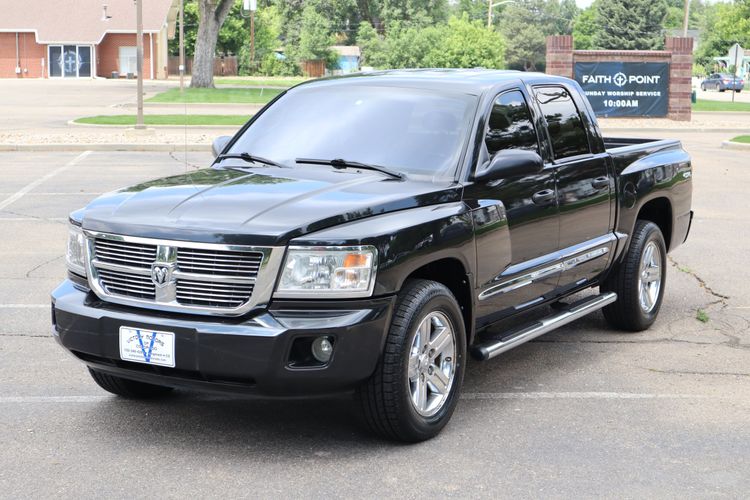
(248,355)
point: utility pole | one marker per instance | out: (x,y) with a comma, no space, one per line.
(686,21)
(182,45)
(491,6)
(139,61)
(252,40)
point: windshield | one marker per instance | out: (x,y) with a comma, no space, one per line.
(408,130)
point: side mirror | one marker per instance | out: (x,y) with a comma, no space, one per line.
(510,163)
(219,144)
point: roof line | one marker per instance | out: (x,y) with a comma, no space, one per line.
(70,42)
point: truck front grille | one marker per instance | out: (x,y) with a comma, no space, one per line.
(181,276)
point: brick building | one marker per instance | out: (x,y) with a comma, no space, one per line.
(83,38)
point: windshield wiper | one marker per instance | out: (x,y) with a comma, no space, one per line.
(250,159)
(340,163)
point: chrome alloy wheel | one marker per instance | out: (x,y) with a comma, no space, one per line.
(649,277)
(432,363)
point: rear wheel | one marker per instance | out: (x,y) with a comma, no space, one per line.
(703,87)
(415,387)
(127,388)
(638,280)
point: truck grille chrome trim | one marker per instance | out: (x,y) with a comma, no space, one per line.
(181,276)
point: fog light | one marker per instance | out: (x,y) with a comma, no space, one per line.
(322,349)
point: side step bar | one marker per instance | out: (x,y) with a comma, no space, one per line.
(516,337)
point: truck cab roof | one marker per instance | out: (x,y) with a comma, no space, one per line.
(471,81)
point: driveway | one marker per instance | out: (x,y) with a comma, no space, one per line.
(583,412)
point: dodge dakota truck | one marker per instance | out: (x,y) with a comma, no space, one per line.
(363,233)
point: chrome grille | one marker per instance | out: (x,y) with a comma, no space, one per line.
(218,262)
(212,294)
(181,276)
(129,254)
(127,284)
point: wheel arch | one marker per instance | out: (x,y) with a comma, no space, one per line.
(659,211)
(452,273)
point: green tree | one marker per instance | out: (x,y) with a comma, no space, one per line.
(459,43)
(211,17)
(467,44)
(722,26)
(526,25)
(584,28)
(315,36)
(630,24)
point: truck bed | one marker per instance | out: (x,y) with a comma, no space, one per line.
(628,150)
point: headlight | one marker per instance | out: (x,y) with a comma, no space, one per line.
(75,257)
(328,272)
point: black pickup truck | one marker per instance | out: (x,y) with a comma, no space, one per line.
(363,233)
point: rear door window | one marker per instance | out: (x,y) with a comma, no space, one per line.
(564,123)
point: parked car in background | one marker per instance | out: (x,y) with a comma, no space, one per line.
(723,82)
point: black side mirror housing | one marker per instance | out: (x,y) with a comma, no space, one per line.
(219,144)
(510,163)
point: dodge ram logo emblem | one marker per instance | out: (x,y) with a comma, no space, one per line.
(160,274)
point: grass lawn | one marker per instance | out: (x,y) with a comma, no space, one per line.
(260,81)
(165,120)
(212,96)
(704,105)
(742,138)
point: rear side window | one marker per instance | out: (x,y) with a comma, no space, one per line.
(563,122)
(509,126)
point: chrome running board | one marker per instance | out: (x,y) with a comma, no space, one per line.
(516,337)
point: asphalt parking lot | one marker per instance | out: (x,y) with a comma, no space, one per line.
(583,412)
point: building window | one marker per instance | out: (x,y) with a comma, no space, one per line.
(69,61)
(128,60)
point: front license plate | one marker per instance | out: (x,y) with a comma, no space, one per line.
(147,346)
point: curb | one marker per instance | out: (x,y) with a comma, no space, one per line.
(678,130)
(735,145)
(168,148)
(72,123)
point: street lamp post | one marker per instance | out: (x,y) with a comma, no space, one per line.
(139,61)
(182,45)
(491,5)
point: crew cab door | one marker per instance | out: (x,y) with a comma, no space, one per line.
(585,187)
(517,222)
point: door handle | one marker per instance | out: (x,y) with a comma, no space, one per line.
(600,182)
(543,197)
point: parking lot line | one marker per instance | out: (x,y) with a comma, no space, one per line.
(468,395)
(24,306)
(28,187)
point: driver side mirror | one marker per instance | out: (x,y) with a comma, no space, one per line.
(219,144)
(510,163)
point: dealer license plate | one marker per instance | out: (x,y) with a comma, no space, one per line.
(147,346)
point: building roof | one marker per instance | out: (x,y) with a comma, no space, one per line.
(81,21)
(346,50)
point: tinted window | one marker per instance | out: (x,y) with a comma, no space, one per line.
(563,122)
(411,130)
(510,124)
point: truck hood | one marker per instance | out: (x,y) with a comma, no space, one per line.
(259,206)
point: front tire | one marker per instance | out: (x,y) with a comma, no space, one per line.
(416,385)
(127,388)
(639,280)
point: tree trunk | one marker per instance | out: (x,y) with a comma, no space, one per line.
(211,15)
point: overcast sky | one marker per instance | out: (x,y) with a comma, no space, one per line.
(583,3)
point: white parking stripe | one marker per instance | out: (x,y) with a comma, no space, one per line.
(575,395)
(36,219)
(52,399)
(19,194)
(24,306)
(468,395)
